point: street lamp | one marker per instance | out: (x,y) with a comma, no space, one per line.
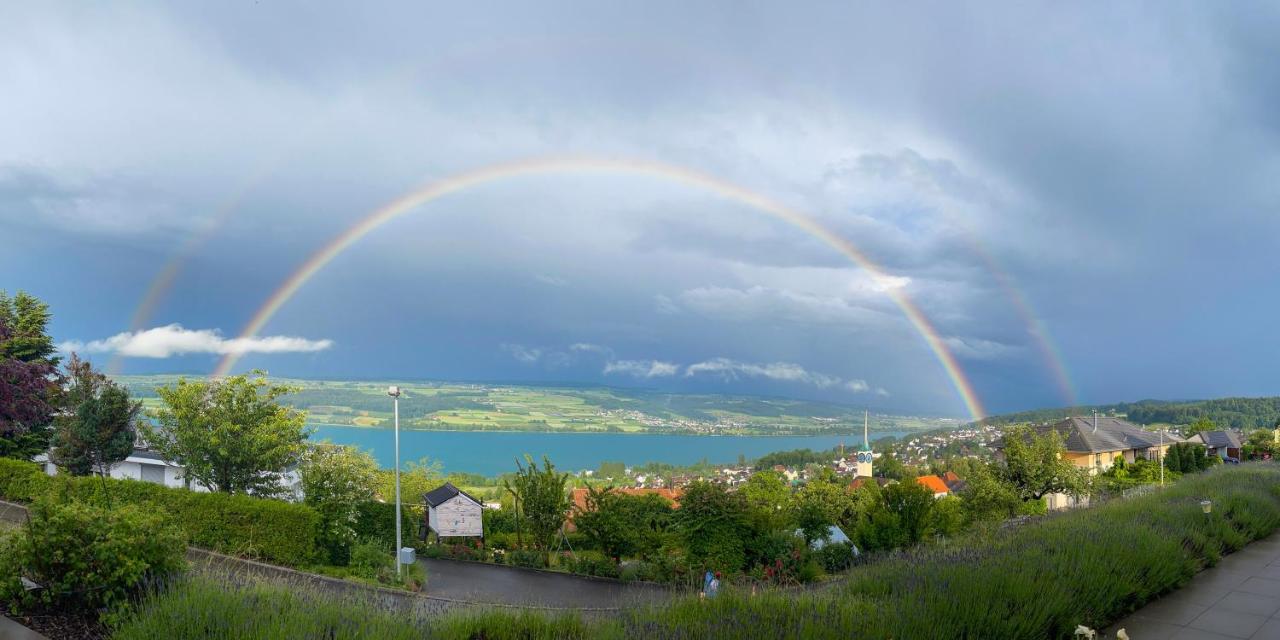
(394,392)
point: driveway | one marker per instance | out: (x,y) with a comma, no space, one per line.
(498,584)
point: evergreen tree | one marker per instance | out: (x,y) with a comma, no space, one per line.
(28,376)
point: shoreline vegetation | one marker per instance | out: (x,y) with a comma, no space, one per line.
(387,427)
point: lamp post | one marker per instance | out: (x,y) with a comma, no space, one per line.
(1161,456)
(394,392)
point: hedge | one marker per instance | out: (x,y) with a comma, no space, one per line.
(271,530)
(21,481)
(377,521)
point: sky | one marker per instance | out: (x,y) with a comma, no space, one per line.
(1082,200)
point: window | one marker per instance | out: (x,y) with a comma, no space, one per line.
(153,473)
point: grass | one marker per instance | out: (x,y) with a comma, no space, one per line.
(1038,580)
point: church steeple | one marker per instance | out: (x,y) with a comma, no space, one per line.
(865,456)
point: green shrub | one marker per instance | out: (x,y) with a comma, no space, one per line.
(593,563)
(263,528)
(84,556)
(530,558)
(21,480)
(835,556)
(256,527)
(377,521)
(368,556)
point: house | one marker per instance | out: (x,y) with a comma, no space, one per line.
(935,485)
(1095,443)
(835,535)
(954,482)
(579,495)
(149,466)
(861,480)
(144,465)
(451,512)
(1225,444)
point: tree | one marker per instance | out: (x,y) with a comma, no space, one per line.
(1201,425)
(946,518)
(912,504)
(819,504)
(100,432)
(335,480)
(713,525)
(28,321)
(230,435)
(612,470)
(540,499)
(1035,466)
(988,497)
(28,376)
(417,477)
(767,495)
(889,466)
(623,525)
(1260,442)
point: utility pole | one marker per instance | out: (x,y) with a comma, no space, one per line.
(394,392)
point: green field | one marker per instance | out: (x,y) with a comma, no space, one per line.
(494,407)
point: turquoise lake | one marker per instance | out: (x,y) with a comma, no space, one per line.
(490,453)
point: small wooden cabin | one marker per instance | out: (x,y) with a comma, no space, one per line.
(452,513)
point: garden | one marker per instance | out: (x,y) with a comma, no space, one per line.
(1036,580)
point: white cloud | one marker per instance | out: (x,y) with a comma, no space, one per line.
(978,349)
(554,281)
(642,368)
(785,371)
(587,347)
(766,303)
(527,355)
(172,340)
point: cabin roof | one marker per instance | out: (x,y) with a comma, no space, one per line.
(445,493)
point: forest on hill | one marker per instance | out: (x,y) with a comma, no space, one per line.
(1237,413)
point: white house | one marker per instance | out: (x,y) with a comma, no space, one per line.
(149,466)
(143,465)
(453,513)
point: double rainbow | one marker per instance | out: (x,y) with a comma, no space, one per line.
(491,173)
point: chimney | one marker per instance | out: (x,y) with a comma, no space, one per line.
(1095,421)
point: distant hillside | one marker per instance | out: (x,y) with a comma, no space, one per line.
(1237,413)
(502,407)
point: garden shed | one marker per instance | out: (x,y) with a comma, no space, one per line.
(452,513)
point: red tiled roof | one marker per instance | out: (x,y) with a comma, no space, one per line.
(579,495)
(934,483)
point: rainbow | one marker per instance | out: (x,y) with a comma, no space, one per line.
(460,182)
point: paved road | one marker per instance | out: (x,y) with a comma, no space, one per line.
(508,585)
(1239,598)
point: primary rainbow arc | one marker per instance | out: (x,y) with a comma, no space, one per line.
(454,184)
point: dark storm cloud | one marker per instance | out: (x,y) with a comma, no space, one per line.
(1112,169)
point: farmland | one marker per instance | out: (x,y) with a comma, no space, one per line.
(449,406)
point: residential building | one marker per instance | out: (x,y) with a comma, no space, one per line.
(935,485)
(1226,444)
(452,512)
(1094,443)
